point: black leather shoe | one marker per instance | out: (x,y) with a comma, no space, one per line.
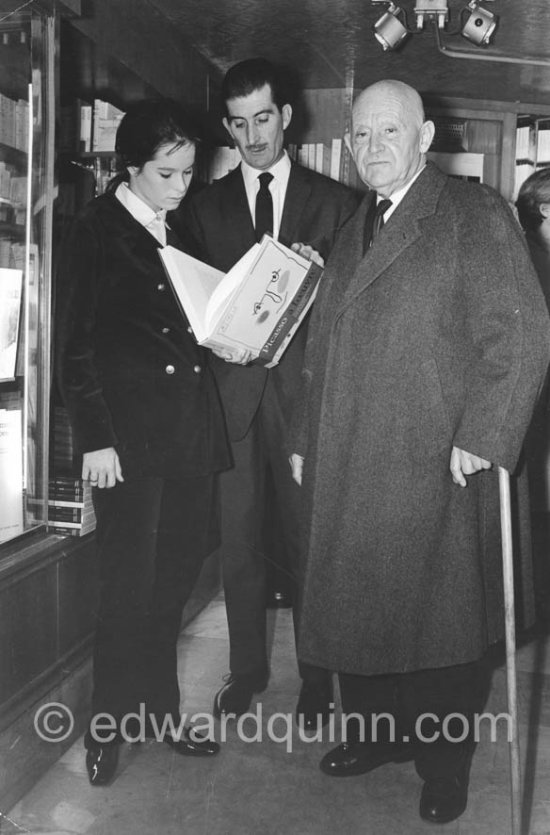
(314,705)
(278,600)
(352,758)
(443,801)
(236,694)
(101,763)
(192,744)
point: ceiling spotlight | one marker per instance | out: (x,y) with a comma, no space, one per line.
(480,25)
(435,9)
(388,29)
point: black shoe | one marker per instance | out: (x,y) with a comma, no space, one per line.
(314,705)
(101,763)
(278,600)
(236,694)
(352,758)
(192,744)
(443,801)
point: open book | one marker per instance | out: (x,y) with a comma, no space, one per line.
(258,305)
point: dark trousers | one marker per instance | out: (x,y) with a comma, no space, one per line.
(437,748)
(152,537)
(244,559)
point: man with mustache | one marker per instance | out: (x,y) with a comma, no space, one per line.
(265,193)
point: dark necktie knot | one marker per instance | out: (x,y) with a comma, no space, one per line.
(265,179)
(263,218)
(382,207)
(375,221)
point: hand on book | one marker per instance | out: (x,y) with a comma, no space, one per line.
(101,467)
(307,251)
(239,356)
(297,466)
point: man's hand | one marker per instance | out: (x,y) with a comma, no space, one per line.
(464,463)
(308,252)
(240,356)
(296,465)
(101,467)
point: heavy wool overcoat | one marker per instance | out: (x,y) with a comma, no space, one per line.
(438,336)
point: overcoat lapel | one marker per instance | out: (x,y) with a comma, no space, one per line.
(402,230)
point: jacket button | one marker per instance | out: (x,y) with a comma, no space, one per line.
(161,287)
(169,369)
(166,330)
(189,329)
(197,369)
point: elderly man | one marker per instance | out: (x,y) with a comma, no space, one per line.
(426,352)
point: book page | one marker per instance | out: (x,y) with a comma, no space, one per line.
(194,284)
(226,288)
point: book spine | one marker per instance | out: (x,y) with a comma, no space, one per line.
(64,514)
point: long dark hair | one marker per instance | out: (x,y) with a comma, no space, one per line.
(144,128)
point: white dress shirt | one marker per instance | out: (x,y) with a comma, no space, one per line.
(154,222)
(278,185)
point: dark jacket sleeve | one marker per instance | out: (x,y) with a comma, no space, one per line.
(79,287)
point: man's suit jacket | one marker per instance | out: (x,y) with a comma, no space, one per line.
(221,230)
(129,371)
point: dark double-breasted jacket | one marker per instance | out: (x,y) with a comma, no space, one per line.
(129,370)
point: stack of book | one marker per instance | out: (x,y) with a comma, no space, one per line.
(70,508)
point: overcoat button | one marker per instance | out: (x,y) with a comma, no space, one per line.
(166,330)
(197,369)
(161,287)
(169,369)
(189,329)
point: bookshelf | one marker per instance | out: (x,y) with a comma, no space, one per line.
(532,148)
(26,189)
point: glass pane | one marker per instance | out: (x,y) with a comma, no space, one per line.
(25,195)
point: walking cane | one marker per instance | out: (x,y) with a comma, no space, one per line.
(511,681)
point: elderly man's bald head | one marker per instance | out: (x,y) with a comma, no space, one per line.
(389,137)
(391,89)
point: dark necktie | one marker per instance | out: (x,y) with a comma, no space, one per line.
(263,220)
(376,222)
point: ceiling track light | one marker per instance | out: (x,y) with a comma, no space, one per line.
(389,31)
(477,25)
(435,10)
(480,26)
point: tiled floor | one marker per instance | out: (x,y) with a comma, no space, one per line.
(259,788)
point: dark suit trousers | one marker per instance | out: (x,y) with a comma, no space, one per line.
(243,557)
(152,537)
(461,689)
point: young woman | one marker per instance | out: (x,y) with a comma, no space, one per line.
(146,417)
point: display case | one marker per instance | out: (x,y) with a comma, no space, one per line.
(26,198)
